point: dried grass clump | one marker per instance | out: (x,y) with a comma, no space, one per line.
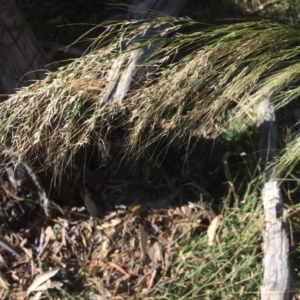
(223,72)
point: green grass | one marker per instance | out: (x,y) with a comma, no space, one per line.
(231,268)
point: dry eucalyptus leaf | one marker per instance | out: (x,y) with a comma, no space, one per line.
(40,279)
(3,282)
(186,210)
(155,253)
(143,239)
(90,205)
(50,234)
(113,223)
(48,285)
(212,229)
(135,208)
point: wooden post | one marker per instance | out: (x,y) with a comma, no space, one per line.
(120,84)
(277,278)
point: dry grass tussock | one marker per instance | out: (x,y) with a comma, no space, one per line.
(202,81)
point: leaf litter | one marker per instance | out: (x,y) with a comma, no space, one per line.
(120,238)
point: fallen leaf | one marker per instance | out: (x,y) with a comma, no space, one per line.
(212,229)
(143,239)
(186,210)
(117,267)
(40,279)
(3,282)
(90,205)
(155,253)
(87,226)
(113,223)
(50,234)
(135,208)
(48,285)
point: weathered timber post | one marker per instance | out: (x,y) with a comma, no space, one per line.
(120,84)
(277,278)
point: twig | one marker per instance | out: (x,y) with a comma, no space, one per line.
(10,194)
(4,244)
(145,275)
(44,201)
(262,7)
